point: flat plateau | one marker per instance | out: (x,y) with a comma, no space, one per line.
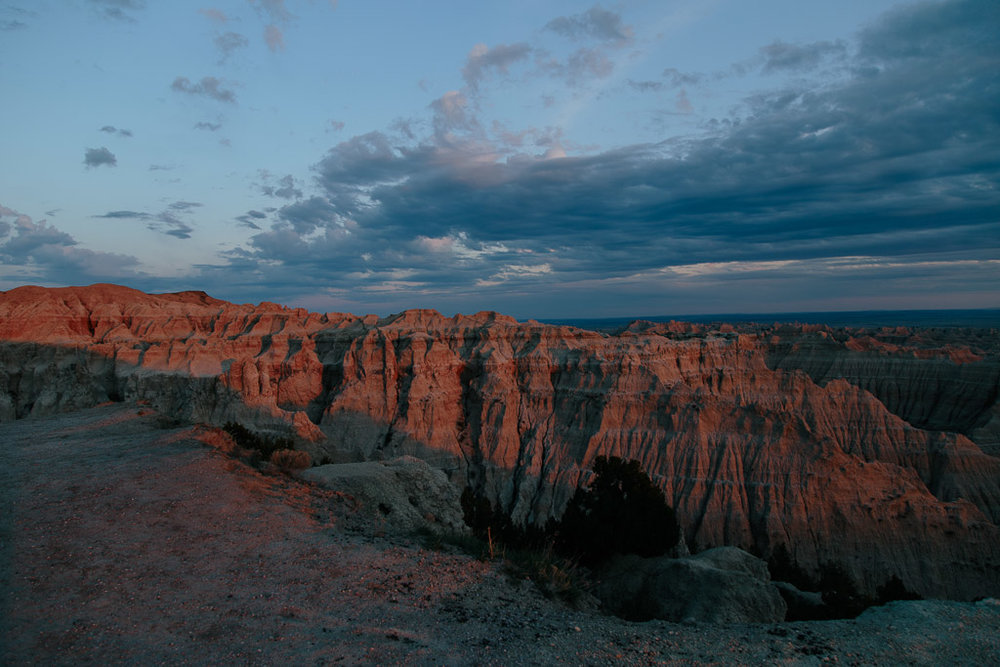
(124,539)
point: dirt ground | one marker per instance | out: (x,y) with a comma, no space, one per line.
(122,541)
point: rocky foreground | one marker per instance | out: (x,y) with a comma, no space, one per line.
(867,449)
(127,540)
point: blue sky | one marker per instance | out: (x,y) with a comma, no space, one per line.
(543,159)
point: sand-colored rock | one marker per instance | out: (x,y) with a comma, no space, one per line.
(401,495)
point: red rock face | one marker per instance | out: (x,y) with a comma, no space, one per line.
(750,450)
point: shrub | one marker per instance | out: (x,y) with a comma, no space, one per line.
(289,459)
(265,446)
(621,512)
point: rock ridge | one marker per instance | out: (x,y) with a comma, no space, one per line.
(758,436)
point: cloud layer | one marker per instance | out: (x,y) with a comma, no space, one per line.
(881,169)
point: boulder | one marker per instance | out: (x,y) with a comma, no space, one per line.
(398,495)
(722,585)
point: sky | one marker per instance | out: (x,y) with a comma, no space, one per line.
(544,159)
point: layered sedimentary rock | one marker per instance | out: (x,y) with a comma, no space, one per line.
(750,450)
(939,380)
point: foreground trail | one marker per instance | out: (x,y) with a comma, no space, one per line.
(127,542)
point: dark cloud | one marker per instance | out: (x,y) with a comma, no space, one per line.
(211,127)
(336,125)
(482,60)
(889,167)
(251,218)
(209,86)
(12,25)
(307,215)
(166,222)
(44,254)
(228,43)
(95,157)
(118,9)
(781,56)
(124,215)
(284,190)
(595,23)
(110,129)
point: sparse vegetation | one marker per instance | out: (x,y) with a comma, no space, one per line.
(290,459)
(620,512)
(263,446)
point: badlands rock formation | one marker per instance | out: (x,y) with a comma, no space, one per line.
(759,439)
(720,585)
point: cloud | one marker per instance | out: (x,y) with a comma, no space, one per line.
(336,125)
(228,43)
(118,9)
(886,161)
(12,25)
(678,78)
(38,252)
(110,129)
(273,10)
(251,218)
(95,157)
(782,56)
(595,23)
(452,112)
(284,190)
(274,38)
(645,86)
(482,60)
(211,127)
(166,222)
(276,15)
(214,15)
(209,86)
(683,104)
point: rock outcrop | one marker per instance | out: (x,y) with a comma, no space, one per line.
(752,445)
(399,495)
(721,585)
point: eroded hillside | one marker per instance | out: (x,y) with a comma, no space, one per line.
(762,438)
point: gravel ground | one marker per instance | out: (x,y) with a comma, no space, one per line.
(125,542)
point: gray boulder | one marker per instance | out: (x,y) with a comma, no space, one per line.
(722,585)
(399,495)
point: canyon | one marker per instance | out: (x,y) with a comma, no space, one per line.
(872,449)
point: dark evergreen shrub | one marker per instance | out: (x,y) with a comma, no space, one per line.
(620,512)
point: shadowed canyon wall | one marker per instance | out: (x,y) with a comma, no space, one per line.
(855,449)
